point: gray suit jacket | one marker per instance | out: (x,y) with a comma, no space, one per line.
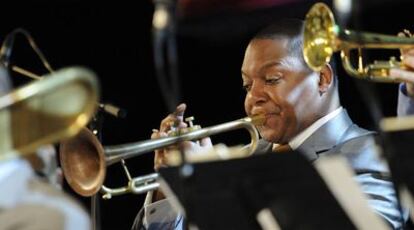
(341,136)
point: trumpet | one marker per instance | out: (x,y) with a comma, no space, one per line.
(46,111)
(322,37)
(84,159)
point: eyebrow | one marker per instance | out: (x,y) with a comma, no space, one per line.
(270,64)
(265,66)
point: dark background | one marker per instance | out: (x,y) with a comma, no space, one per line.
(114,40)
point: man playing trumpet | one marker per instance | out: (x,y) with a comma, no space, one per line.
(303,112)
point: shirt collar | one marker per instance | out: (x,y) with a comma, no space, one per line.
(295,142)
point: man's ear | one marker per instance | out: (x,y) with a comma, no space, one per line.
(326,79)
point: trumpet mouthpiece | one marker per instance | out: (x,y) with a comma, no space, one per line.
(258,120)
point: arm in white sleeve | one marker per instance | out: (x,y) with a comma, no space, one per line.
(158,215)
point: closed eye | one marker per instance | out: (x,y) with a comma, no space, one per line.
(273,80)
(247,87)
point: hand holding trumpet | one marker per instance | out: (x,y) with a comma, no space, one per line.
(170,124)
(406,75)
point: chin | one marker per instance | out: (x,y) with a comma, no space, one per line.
(270,136)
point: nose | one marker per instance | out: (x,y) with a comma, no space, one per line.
(256,93)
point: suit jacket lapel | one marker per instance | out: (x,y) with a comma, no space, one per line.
(337,130)
(334,132)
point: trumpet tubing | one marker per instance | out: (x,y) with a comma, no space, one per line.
(121,152)
(146,183)
(84,160)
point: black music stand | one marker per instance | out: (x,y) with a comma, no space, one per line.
(398,148)
(229,194)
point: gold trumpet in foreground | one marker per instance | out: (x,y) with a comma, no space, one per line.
(322,37)
(84,160)
(46,111)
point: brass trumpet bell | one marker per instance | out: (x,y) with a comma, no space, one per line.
(83,162)
(322,37)
(319,36)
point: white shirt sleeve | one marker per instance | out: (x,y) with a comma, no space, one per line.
(161,215)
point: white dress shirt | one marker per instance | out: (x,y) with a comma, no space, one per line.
(18,189)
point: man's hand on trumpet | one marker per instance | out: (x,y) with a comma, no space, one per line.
(170,124)
(406,75)
(172,121)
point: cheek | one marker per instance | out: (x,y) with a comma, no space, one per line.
(247,105)
(304,92)
(303,100)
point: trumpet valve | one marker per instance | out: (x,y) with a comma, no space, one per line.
(190,120)
(380,70)
(180,131)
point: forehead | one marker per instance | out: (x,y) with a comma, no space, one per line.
(267,48)
(263,53)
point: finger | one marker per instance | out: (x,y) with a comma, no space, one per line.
(181,125)
(159,158)
(161,135)
(403,51)
(158,134)
(401,34)
(159,154)
(173,125)
(179,110)
(409,61)
(166,123)
(159,162)
(402,75)
(407,52)
(196,146)
(174,119)
(187,146)
(178,114)
(206,142)
(155,134)
(192,147)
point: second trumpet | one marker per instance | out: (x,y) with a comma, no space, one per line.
(322,37)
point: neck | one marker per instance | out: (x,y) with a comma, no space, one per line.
(331,103)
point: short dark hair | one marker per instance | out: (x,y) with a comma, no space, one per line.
(292,30)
